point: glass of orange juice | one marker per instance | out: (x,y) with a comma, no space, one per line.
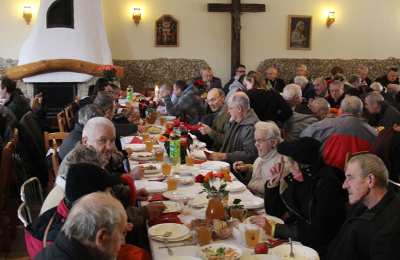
(149,146)
(162,121)
(145,137)
(252,235)
(172,183)
(166,168)
(189,160)
(159,154)
(204,234)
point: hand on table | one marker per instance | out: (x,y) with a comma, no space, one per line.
(240,166)
(137,173)
(142,194)
(263,222)
(216,156)
(155,209)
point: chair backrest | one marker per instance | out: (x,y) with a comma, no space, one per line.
(6,171)
(57,136)
(69,116)
(32,195)
(22,214)
(61,121)
(32,127)
(55,159)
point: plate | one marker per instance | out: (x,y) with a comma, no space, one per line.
(186,170)
(249,203)
(199,154)
(171,206)
(142,156)
(260,257)
(275,219)
(154,129)
(301,252)
(177,195)
(178,232)
(136,147)
(200,201)
(186,180)
(213,165)
(151,168)
(183,258)
(151,186)
(235,186)
(214,247)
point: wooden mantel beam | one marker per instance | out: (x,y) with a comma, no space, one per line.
(59,65)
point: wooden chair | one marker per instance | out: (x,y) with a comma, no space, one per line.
(69,116)
(32,197)
(61,121)
(55,159)
(57,136)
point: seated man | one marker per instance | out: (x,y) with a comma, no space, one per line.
(391,77)
(215,123)
(74,137)
(207,76)
(347,133)
(298,121)
(13,99)
(372,230)
(362,72)
(177,90)
(307,87)
(319,107)
(272,79)
(320,87)
(238,144)
(95,229)
(380,112)
(267,136)
(336,93)
(239,72)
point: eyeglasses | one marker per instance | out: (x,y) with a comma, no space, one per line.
(263,140)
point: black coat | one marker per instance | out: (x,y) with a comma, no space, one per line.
(387,117)
(277,84)
(372,234)
(65,249)
(18,104)
(269,105)
(316,207)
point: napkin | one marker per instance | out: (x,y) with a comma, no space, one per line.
(136,140)
(166,218)
(157,197)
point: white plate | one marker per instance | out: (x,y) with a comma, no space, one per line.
(183,258)
(154,129)
(235,186)
(178,195)
(199,154)
(260,257)
(178,231)
(249,203)
(136,147)
(151,186)
(153,171)
(186,170)
(171,206)
(213,165)
(275,219)
(186,180)
(142,156)
(200,201)
(300,252)
(219,245)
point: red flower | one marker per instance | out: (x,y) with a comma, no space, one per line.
(199,82)
(199,178)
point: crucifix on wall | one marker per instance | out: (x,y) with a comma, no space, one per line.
(236,8)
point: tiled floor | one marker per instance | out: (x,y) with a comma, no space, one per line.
(18,251)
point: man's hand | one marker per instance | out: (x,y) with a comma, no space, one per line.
(262,222)
(155,209)
(240,166)
(142,194)
(216,156)
(137,173)
(277,172)
(205,129)
(393,88)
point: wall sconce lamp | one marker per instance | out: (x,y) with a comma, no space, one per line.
(330,19)
(137,15)
(27,14)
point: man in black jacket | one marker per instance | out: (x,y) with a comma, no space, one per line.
(14,99)
(372,230)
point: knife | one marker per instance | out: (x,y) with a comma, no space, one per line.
(178,245)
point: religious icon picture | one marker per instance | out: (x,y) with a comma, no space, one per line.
(166,31)
(299,32)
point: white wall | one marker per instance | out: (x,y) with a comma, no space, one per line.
(363,29)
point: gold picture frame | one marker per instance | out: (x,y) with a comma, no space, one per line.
(299,32)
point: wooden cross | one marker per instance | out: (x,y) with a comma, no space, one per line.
(236,8)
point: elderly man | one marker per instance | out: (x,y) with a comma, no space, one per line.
(95,229)
(271,78)
(336,93)
(362,72)
(306,87)
(207,76)
(380,112)
(319,107)
(214,125)
(238,144)
(372,228)
(348,133)
(266,136)
(297,122)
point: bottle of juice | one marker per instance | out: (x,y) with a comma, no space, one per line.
(175,147)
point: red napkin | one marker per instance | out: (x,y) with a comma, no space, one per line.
(195,127)
(166,218)
(136,140)
(157,197)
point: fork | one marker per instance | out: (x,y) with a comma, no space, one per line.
(165,236)
(291,255)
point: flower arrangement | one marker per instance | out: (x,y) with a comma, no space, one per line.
(214,183)
(109,72)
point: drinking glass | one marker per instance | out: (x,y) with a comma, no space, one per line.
(252,235)
(149,146)
(204,234)
(166,168)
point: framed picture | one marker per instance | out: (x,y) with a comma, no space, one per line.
(167,31)
(299,32)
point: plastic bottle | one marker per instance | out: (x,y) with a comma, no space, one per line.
(175,147)
(129,94)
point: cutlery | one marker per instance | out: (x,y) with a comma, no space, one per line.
(178,245)
(291,255)
(165,236)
